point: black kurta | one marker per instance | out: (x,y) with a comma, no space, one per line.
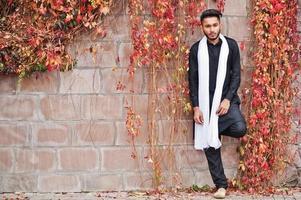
(231,84)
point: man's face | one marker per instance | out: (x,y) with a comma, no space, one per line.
(211,27)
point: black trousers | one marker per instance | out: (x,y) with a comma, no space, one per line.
(236,127)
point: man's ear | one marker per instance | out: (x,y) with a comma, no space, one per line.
(202,28)
(221,24)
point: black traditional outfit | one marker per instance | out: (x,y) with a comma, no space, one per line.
(232,123)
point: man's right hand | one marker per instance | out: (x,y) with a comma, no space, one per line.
(198,115)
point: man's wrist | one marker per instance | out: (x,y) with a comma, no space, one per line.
(196,108)
(227,100)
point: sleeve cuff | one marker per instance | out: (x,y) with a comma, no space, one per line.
(229,96)
(195,102)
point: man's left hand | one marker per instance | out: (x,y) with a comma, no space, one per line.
(224,107)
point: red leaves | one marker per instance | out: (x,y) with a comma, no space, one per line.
(53,61)
(242,45)
(79,18)
(9,2)
(57,5)
(42,10)
(133,122)
(89,9)
(68,18)
(265,165)
(34,42)
(120,86)
(273,30)
(37,32)
(220,5)
(277,6)
(272,92)
(159,46)
(82,9)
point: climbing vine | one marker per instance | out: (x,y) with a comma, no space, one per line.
(34,34)
(160,47)
(275,58)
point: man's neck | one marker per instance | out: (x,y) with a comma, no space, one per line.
(214,42)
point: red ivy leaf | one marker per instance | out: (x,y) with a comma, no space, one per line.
(242,45)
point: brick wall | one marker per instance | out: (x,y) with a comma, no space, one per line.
(65,131)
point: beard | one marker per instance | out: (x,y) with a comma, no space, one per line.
(208,37)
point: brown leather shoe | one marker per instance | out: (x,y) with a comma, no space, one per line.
(220,193)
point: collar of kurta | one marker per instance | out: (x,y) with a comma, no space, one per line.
(219,43)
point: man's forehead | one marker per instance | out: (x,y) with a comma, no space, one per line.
(210,20)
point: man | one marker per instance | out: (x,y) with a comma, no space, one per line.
(214,78)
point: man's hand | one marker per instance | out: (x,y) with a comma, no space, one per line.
(198,115)
(224,107)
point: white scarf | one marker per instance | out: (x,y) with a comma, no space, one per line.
(206,135)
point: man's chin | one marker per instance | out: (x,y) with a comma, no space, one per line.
(213,38)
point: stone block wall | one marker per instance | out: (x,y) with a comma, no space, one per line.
(65,131)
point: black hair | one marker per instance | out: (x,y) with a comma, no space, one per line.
(211,13)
